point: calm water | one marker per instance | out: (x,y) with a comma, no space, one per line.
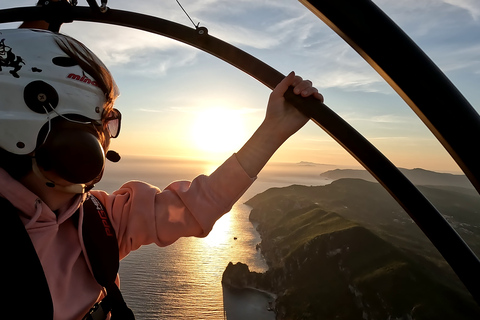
(183,280)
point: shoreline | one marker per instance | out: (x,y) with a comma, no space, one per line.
(248,303)
(247,288)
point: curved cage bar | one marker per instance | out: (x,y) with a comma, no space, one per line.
(410,72)
(455,251)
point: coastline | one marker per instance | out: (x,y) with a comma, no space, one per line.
(248,303)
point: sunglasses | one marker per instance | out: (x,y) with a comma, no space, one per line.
(112,122)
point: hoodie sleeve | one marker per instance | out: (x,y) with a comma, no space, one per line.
(142,214)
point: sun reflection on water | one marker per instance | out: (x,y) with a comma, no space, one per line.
(220,233)
(183,280)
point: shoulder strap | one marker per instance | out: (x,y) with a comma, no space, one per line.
(26,293)
(100,241)
(102,249)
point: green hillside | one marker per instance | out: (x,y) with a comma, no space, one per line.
(370,205)
(348,251)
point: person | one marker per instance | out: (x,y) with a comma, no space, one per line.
(57,116)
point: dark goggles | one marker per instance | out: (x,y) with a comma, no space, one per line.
(112,123)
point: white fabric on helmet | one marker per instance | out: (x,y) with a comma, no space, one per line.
(27,56)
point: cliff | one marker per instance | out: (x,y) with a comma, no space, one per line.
(324,265)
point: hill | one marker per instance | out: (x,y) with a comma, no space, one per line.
(348,251)
(370,205)
(417,176)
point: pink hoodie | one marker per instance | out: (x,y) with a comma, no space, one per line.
(140,213)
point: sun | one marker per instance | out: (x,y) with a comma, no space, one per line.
(219,130)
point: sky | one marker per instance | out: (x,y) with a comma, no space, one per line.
(178,101)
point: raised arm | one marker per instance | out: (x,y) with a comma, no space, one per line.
(281,121)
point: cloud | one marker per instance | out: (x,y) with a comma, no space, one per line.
(135,51)
(150,110)
(192,107)
(461,58)
(379,119)
(396,141)
(389,118)
(243,36)
(284,34)
(339,66)
(471,6)
(119,46)
(350,80)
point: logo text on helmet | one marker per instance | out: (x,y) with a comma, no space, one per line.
(82,79)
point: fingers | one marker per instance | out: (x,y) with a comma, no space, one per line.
(282,87)
(305,88)
(302,87)
(311,91)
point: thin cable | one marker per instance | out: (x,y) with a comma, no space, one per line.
(68,119)
(195,25)
(61,116)
(49,123)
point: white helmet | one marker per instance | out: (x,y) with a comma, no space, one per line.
(44,77)
(38,82)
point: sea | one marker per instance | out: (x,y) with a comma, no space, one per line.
(183,280)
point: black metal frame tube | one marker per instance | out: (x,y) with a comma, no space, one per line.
(443,236)
(410,72)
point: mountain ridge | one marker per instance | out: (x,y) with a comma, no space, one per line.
(351,271)
(347,250)
(417,176)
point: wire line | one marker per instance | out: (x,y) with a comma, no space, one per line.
(195,25)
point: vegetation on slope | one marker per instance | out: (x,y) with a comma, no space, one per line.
(345,251)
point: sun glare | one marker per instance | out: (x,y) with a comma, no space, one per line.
(219,130)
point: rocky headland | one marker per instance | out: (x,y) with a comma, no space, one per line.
(348,251)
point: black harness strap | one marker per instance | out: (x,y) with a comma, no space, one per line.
(102,250)
(26,292)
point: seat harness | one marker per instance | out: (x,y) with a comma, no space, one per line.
(27,292)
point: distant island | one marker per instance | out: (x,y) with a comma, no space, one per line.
(347,250)
(417,176)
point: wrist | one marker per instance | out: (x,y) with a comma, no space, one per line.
(259,148)
(274,130)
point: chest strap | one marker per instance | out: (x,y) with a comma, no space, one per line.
(27,295)
(101,245)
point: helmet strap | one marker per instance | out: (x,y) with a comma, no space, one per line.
(74,188)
